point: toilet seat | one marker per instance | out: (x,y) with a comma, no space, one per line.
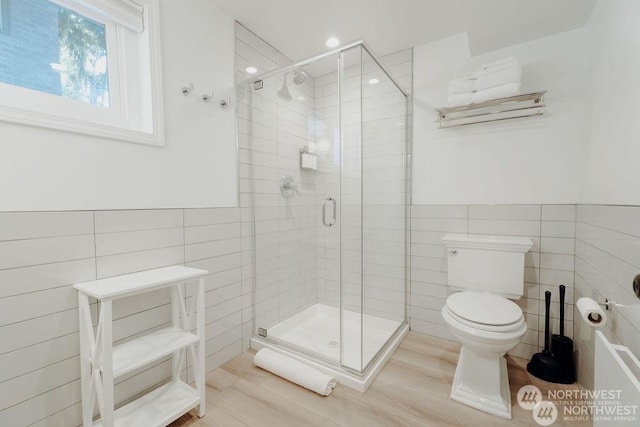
(485,312)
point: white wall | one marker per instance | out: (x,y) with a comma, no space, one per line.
(527,161)
(49,170)
(612,155)
(607,242)
(608,237)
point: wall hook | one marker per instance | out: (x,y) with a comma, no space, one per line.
(206,97)
(186,90)
(226,102)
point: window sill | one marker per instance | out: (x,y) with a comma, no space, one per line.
(50,121)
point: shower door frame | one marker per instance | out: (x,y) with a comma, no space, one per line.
(327,54)
(401,329)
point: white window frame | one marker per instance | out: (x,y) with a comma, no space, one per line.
(135,90)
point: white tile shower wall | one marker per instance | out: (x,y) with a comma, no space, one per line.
(607,260)
(548,264)
(44,253)
(279,127)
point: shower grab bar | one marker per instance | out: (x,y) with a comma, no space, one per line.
(324,211)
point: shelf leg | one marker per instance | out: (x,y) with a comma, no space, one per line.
(86,333)
(107,362)
(175,322)
(200,382)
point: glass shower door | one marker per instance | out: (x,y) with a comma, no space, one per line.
(384,197)
(351,250)
(373,214)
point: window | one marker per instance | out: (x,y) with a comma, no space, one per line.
(87,66)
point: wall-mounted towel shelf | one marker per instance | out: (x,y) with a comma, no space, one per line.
(512,107)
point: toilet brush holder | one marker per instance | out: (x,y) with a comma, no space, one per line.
(544,365)
(562,348)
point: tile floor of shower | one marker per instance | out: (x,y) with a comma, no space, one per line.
(317,329)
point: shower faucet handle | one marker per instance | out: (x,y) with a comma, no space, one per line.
(289,186)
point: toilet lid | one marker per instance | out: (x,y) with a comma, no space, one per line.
(484,308)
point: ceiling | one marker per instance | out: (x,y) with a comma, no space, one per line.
(299,28)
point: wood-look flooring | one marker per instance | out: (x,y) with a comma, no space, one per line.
(412,390)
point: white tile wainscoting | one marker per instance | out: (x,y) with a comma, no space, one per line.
(43,253)
(607,259)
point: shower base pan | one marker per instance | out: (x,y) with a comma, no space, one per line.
(317,330)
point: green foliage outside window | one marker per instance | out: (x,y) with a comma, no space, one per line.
(83,58)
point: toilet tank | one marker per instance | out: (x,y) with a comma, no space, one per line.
(493,264)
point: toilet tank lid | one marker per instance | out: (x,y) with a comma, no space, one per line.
(481,241)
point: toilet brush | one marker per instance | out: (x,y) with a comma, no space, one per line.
(562,347)
(543,365)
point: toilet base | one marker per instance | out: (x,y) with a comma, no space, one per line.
(482,382)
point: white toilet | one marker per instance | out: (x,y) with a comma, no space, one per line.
(486,270)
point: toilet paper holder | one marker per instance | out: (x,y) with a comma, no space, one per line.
(609,304)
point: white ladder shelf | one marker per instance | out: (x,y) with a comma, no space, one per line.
(101,362)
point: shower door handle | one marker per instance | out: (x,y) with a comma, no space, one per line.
(332,221)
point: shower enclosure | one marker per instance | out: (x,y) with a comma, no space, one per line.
(329,177)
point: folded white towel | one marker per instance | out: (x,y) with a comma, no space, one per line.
(503,91)
(295,371)
(459,99)
(498,77)
(500,63)
(462,85)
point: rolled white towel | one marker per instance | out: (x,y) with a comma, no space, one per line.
(295,371)
(498,76)
(462,85)
(500,63)
(460,99)
(503,91)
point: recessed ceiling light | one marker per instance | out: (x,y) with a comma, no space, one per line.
(374,81)
(251,70)
(332,42)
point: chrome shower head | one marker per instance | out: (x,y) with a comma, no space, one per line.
(299,76)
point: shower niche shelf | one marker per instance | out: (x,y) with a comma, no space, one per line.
(512,107)
(101,362)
